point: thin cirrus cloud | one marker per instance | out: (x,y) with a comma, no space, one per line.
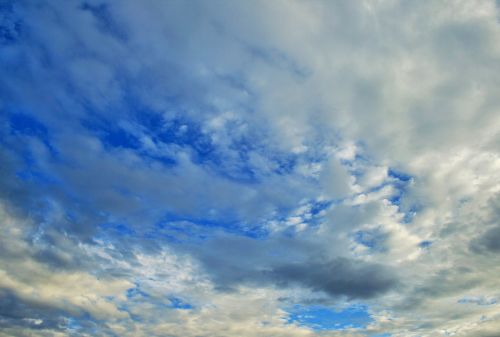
(249,168)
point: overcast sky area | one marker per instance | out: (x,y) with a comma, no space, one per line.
(249,168)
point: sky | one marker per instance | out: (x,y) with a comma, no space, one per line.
(249,168)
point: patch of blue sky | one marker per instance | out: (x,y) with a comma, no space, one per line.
(238,165)
(118,229)
(136,292)
(178,303)
(30,170)
(173,236)
(26,124)
(181,132)
(173,129)
(81,324)
(171,302)
(313,217)
(72,324)
(319,206)
(399,175)
(173,227)
(396,198)
(285,164)
(425,244)
(324,318)
(108,132)
(118,137)
(36,176)
(175,132)
(410,213)
(114,136)
(237,160)
(23,123)
(400,181)
(375,239)
(232,162)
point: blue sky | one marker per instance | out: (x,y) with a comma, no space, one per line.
(249,168)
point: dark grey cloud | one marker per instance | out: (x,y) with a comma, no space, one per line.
(286,262)
(338,277)
(15,311)
(488,242)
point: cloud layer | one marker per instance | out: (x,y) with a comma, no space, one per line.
(237,167)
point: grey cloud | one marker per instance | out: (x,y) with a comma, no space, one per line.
(283,262)
(15,311)
(338,277)
(487,242)
(444,283)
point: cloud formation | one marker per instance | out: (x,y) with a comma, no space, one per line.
(207,168)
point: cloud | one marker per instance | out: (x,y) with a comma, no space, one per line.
(246,157)
(270,262)
(340,277)
(489,241)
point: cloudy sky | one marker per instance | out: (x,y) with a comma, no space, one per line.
(249,168)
